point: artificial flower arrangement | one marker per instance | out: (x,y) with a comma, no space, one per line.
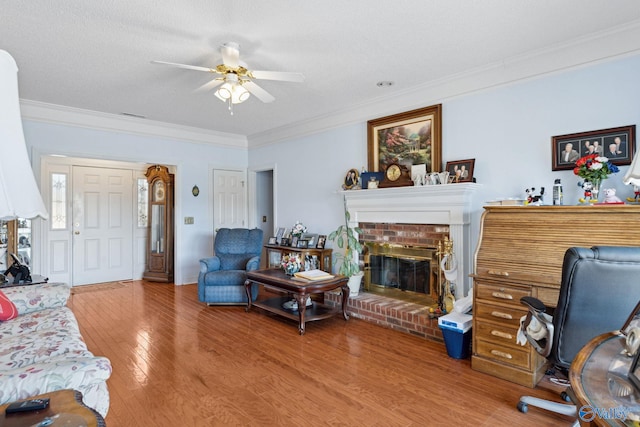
(594,168)
(298,229)
(291,263)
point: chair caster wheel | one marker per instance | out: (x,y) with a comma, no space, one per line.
(565,396)
(523,407)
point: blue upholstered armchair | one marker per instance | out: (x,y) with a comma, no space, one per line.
(222,276)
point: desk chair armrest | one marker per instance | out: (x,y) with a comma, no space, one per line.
(209,264)
(533,304)
(253,263)
(537,326)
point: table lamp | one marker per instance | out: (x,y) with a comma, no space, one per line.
(632,177)
(19,194)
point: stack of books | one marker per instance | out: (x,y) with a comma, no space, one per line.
(313,275)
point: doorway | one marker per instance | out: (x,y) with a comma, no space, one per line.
(94,233)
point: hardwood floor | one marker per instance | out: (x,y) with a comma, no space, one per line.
(178,362)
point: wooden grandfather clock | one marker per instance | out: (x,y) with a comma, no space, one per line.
(160,232)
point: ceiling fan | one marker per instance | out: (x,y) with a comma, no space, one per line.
(236,81)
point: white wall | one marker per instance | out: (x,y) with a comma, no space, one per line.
(194,163)
(507,130)
(309,174)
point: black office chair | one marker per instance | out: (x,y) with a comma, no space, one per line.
(600,287)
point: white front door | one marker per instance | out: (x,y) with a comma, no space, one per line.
(102,224)
(229,199)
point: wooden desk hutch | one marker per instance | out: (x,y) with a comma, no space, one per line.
(520,252)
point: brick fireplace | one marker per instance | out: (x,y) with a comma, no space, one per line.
(412,216)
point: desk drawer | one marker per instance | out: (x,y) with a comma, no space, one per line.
(502,334)
(505,315)
(504,294)
(503,354)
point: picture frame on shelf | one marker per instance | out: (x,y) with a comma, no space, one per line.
(273,240)
(285,241)
(302,243)
(351,179)
(616,144)
(460,170)
(322,239)
(410,138)
(312,239)
(279,234)
(294,241)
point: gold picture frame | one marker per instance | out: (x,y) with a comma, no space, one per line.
(410,138)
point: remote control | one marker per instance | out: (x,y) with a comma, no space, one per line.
(27,405)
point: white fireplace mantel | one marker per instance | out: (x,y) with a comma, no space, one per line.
(448,204)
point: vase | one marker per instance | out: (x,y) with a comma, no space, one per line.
(354,284)
(291,269)
(595,190)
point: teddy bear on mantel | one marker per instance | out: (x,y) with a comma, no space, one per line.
(610,196)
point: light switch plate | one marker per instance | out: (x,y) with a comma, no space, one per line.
(188,220)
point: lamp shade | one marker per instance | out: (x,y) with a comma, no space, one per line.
(19,194)
(632,177)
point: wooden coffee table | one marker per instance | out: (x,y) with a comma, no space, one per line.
(65,406)
(300,289)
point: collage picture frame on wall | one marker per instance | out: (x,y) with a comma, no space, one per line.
(616,144)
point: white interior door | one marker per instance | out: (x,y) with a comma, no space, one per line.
(229,199)
(102,224)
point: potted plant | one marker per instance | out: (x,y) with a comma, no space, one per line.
(345,238)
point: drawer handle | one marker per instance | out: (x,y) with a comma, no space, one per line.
(501,334)
(502,295)
(501,354)
(501,315)
(498,273)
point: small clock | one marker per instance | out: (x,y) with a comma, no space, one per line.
(395,176)
(393,172)
(159,191)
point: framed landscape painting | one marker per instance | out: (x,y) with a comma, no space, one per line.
(408,139)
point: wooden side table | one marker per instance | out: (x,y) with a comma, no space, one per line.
(598,377)
(65,406)
(277,280)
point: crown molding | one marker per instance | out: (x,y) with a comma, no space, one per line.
(599,47)
(69,116)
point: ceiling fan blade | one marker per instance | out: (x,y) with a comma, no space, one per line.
(210,85)
(278,75)
(230,54)
(187,67)
(259,93)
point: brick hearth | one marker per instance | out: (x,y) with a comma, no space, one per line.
(390,313)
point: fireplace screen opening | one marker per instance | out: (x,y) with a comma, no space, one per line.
(403,272)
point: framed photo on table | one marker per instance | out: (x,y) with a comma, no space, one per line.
(279,235)
(410,138)
(616,144)
(461,170)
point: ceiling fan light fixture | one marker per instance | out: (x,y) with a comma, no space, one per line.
(225,92)
(234,92)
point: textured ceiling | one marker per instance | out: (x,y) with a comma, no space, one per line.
(97,55)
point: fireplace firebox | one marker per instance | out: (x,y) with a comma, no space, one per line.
(402,272)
